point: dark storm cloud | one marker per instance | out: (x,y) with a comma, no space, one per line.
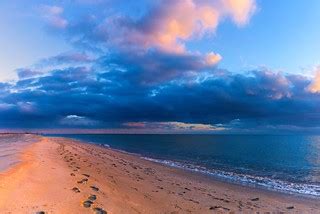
(155,67)
(80,97)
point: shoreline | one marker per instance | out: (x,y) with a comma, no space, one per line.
(144,185)
(205,174)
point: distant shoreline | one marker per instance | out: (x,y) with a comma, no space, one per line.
(56,168)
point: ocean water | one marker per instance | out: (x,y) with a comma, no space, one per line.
(10,147)
(289,164)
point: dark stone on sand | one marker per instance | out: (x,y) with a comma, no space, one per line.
(75,189)
(87,204)
(40,212)
(94,188)
(255,199)
(92,197)
(290,208)
(86,175)
(98,210)
(72,174)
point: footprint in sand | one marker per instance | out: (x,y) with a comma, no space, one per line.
(98,210)
(86,175)
(94,188)
(76,190)
(83,181)
(219,208)
(87,204)
(92,197)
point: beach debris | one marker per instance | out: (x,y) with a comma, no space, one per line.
(40,212)
(75,189)
(87,204)
(98,210)
(72,174)
(92,197)
(94,188)
(255,199)
(290,208)
(86,175)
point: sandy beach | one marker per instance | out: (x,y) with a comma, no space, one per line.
(58,175)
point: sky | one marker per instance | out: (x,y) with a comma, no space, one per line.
(163,66)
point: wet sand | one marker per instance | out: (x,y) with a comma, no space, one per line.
(10,147)
(59,175)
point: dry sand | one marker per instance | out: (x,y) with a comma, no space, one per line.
(58,175)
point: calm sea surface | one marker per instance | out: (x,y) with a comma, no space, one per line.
(283,163)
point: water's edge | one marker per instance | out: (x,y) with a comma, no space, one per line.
(262,183)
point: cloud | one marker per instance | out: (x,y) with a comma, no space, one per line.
(314,87)
(260,99)
(167,26)
(173,126)
(164,27)
(155,67)
(25,73)
(76,121)
(26,107)
(136,73)
(240,10)
(54,16)
(66,58)
(5,106)
(212,58)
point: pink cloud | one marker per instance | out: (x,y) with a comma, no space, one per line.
(314,87)
(173,126)
(173,23)
(53,15)
(135,125)
(240,10)
(213,58)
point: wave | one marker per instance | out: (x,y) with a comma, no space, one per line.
(309,190)
(102,144)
